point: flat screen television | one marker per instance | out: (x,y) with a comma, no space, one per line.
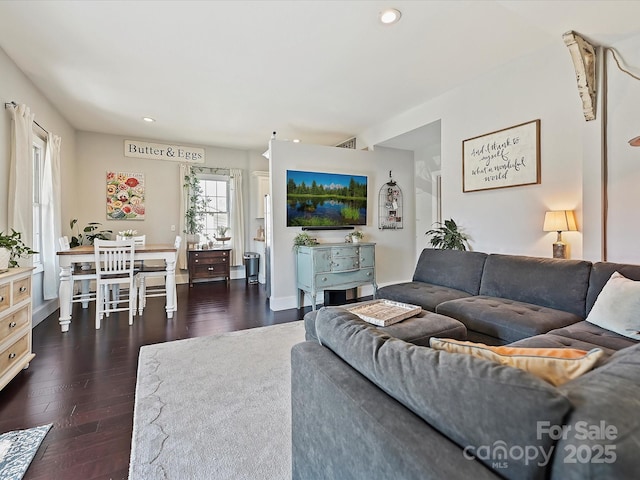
(318,200)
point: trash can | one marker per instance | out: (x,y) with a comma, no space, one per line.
(251,266)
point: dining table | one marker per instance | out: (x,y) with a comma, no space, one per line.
(84,254)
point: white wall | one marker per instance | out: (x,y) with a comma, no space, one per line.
(543,86)
(15,86)
(393,264)
(508,220)
(98,153)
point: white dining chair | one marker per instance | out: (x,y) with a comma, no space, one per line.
(114,261)
(82,274)
(155,271)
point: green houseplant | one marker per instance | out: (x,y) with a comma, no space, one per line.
(89,233)
(447,236)
(12,248)
(355,236)
(303,239)
(197,204)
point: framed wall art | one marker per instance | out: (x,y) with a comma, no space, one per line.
(505,158)
(125,196)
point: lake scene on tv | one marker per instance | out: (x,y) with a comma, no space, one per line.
(316,199)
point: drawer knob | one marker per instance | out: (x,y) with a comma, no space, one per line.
(210,268)
(12,355)
(12,325)
(23,289)
(196,261)
(368,274)
(1,299)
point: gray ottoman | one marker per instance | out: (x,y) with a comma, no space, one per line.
(417,330)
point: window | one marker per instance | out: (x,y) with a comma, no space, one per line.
(215,190)
(38,166)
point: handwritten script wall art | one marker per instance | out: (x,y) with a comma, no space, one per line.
(505,158)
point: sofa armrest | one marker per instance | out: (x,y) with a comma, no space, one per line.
(345,427)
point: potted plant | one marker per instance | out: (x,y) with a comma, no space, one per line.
(12,248)
(221,233)
(197,204)
(303,239)
(88,235)
(447,236)
(354,237)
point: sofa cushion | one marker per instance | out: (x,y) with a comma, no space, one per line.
(460,270)
(550,340)
(425,295)
(603,429)
(590,333)
(505,319)
(617,307)
(554,365)
(465,398)
(601,273)
(417,330)
(548,282)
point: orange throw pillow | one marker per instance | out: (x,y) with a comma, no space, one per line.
(554,365)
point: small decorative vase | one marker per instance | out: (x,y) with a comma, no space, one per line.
(355,240)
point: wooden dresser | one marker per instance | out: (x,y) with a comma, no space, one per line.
(334,266)
(15,323)
(209,264)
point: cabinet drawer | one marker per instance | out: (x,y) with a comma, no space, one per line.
(210,255)
(346,251)
(196,262)
(367,256)
(5,301)
(14,322)
(21,290)
(203,271)
(345,264)
(326,280)
(9,356)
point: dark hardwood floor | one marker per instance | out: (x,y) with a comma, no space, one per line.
(83,381)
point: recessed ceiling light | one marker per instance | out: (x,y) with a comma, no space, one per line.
(296,140)
(149,119)
(390,16)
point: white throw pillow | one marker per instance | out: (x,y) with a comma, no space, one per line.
(617,307)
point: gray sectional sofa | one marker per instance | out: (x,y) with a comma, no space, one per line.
(367,403)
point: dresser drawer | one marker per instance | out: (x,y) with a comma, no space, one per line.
(345,264)
(204,270)
(14,353)
(21,290)
(5,300)
(211,255)
(14,322)
(337,280)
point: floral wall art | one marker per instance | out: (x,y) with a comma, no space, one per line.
(125,196)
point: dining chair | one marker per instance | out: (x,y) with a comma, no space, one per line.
(82,274)
(114,261)
(155,271)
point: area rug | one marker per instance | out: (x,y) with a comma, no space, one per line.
(215,407)
(17,449)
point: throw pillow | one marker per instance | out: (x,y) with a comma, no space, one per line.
(617,307)
(554,365)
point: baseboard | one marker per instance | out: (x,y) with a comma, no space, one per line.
(43,311)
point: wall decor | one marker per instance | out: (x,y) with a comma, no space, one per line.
(125,196)
(161,151)
(505,158)
(326,200)
(390,206)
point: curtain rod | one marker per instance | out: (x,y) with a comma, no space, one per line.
(13,104)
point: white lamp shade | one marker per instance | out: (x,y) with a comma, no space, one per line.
(559,221)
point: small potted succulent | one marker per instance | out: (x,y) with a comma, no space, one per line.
(12,248)
(354,237)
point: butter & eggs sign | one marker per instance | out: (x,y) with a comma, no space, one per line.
(160,151)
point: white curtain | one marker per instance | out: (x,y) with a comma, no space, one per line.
(51,217)
(237,217)
(185,170)
(20,214)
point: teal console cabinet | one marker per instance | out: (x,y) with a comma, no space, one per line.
(334,266)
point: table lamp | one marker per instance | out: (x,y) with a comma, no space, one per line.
(559,221)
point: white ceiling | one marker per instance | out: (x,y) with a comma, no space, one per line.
(228,73)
